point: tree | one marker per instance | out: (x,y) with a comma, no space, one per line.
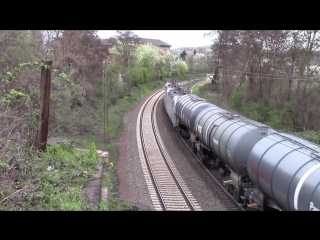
(168,61)
(153,60)
(180,68)
(276,69)
(125,43)
(77,53)
(183,55)
(147,55)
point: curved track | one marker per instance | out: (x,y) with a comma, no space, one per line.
(167,189)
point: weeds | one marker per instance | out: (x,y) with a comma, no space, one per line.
(54,180)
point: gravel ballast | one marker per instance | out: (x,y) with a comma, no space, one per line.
(131,183)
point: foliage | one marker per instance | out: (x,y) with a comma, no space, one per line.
(151,63)
(168,58)
(236,100)
(4,165)
(180,69)
(13,96)
(52,181)
(312,136)
(281,119)
(124,44)
(196,89)
(147,55)
(114,203)
(66,101)
(276,66)
(140,75)
(183,55)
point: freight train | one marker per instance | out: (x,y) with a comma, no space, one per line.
(264,169)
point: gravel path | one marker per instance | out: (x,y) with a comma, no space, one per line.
(131,182)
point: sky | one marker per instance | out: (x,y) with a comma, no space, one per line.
(175,38)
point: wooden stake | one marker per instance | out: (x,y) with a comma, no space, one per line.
(45,87)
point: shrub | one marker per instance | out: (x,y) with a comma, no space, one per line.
(236,100)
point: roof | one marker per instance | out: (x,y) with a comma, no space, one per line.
(155,42)
(143,40)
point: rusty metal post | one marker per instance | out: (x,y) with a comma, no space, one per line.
(45,87)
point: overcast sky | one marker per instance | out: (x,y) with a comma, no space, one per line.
(175,38)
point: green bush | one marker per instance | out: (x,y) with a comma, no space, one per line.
(310,136)
(180,69)
(140,75)
(274,119)
(256,110)
(236,100)
(277,119)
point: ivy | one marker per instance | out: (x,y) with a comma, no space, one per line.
(13,95)
(11,75)
(4,165)
(62,75)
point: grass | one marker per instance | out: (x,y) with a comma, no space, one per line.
(52,181)
(196,90)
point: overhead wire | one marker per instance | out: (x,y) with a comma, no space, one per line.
(264,75)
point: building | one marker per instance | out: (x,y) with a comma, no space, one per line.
(162,45)
(107,44)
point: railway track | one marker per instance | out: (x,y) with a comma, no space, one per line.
(167,189)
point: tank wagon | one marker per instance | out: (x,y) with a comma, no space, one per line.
(263,169)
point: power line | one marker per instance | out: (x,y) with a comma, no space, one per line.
(132,70)
(266,74)
(277,78)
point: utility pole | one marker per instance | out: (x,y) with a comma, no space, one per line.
(141,91)
(104,103)
(220,80)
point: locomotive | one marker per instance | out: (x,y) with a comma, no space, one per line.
(264,169)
